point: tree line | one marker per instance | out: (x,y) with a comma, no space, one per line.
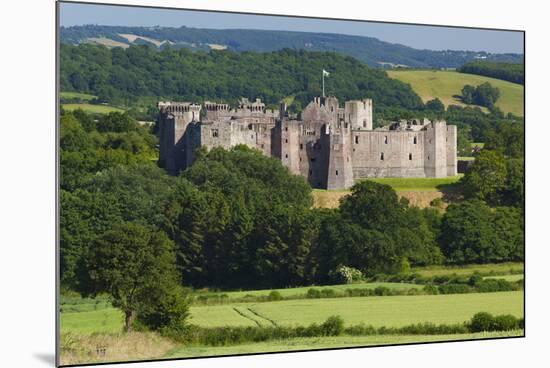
(511,72)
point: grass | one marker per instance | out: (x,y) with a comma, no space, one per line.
(410,184)
(96,109)
(389,311)
(82,96)
(446,85)
(510,278)
(101,348)
(485,269)
(312,343)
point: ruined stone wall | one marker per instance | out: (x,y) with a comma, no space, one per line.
(359,114)
(313,157)
(387,154)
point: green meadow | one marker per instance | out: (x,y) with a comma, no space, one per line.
(95,109)
(446,85)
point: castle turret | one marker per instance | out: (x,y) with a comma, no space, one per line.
(435,150)
(359,114)
(174,120)
(340,169)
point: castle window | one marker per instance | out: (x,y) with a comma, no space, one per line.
(356,139)
(286,155)
(382,156)
(262,146)
(428,157)
(300,159)
(215,133)
(414,140)
(410,156)
(313,159)
(251,136)
(364,123)
(336,172)
(385,139)
(301,146)
(286,140)
(286,129)
(249,126)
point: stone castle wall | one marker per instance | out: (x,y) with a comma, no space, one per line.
(330,146)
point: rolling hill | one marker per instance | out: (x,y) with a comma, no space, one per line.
(370,50)
(447,86)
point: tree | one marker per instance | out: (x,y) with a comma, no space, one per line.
(133,263)
(486,178)
(468,94)
(435,105)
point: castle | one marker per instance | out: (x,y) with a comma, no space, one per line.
(329,145)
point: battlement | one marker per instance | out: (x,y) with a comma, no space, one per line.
(178,107)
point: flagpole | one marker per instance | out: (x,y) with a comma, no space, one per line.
(323,72)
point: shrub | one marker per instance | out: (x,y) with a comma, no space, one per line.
(505,322)
(431,289)
(454,289)
(275,296)
(333,326)
(382,290)
(482,321)
(494,285)
(328,293)
(345,275)
(313,294)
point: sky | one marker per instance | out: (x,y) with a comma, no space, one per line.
(419,37)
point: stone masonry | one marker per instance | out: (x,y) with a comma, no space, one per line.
(329,145)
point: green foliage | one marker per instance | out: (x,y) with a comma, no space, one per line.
(486,178)
(136,266)
(345,275)
(333,326)
(435,105)
(472,232)
(484,321)
(482,95)
(117,75)
(512,72)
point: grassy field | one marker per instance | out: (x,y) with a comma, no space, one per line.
(82,96)
(445,85)
(419,191)
(311,343)
(485,269)
(510,278)
(96,109)
(389,311)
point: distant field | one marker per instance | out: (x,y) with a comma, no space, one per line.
(82,96)
(510,278)
(487,269)
(419,191)
(310,343)
(389,311)
(429,84)
(96,109)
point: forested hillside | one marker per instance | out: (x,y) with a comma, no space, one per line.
(116,75)
(370,50)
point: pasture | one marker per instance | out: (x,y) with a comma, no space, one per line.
(446,85)
(82,96)
(94,109)
(389,311)
(489,269)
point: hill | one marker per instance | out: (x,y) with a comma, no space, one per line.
(447,86)
(370,50)
(117,75)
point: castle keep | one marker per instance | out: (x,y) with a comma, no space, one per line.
(329,145)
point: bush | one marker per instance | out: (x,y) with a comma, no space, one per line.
(494,285)
(431,289)
(482,321)
(333,326)
(275,296)
(454,289)
(382,291)
(313,294)
(505,322)
(345,275)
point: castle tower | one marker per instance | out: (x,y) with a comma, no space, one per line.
(452,169)
(175,148)
(340,169)
(358,114)
(435,150)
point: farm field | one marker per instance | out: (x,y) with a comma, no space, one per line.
(96,109)
(82,96)
(485,269)
(389,311)
(445,85)
(311,343)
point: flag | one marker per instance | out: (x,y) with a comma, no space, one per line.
(325,73)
